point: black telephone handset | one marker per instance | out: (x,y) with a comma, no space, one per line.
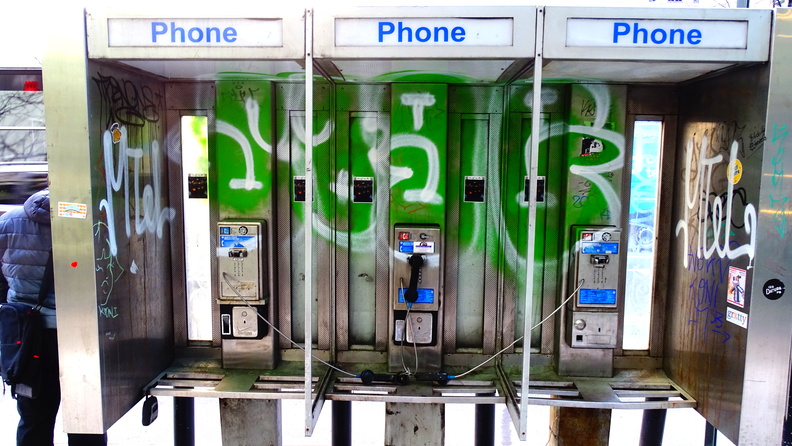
(416,262)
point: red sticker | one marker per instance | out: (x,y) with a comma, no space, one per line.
(74,264)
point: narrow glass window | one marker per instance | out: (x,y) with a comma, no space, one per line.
(197,252)
(641,230)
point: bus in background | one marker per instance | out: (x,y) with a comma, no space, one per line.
(23,149)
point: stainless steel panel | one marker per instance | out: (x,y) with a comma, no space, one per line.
(185,98)
(114,313)
(767,358)
(290,123)
(135,304)
(67,117)
(658,103)
(714,229)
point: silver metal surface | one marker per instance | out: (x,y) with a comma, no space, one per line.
(657,103)
(705,353)
(626,390)
(113,315)
(193,99)
(765,393)
(67,117)
(533,174)
(631,71)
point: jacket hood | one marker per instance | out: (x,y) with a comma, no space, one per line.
(37,207)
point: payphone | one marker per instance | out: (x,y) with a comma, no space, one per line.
(593,314)
(243,291)
(416,295)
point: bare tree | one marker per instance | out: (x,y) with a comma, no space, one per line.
(22,126)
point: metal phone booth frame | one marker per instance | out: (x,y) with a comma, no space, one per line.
(109,106)
(118,77)
(688,86)
(363,45)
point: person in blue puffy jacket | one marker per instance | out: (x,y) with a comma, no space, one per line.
(25,246)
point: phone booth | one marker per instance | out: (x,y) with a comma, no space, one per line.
(421,207)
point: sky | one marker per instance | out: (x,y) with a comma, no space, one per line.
(23,31)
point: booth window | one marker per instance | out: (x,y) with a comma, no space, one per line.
(197,236)
(639,281)
(23,149)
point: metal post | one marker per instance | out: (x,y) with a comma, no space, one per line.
(652,427)
(485,425)
(308,223)
(183,421)
(342,423)
(710,435)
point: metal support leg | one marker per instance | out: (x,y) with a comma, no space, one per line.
(183,421)
(342,423)
(485,425)
(710,435)
(652,427)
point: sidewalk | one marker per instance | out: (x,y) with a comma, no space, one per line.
(684,427)
(368,425)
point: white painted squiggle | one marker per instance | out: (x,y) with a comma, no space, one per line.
(339,187)
(429,192)
(319,138)
(697,196)
(418,101)
(252,110)
(249,182)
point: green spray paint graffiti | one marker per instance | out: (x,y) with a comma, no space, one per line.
(244,119)
(408,152)
(417,148)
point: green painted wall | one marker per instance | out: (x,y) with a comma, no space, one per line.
(401,135)
(243,148)
(595,150)
(419,132)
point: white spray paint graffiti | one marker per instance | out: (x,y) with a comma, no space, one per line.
(154,215)
(429,192)
(601,96)
(697,196)
(249,182)
(418,101)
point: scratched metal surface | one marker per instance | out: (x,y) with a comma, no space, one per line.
(767,358)
(705,353)
(130,314)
